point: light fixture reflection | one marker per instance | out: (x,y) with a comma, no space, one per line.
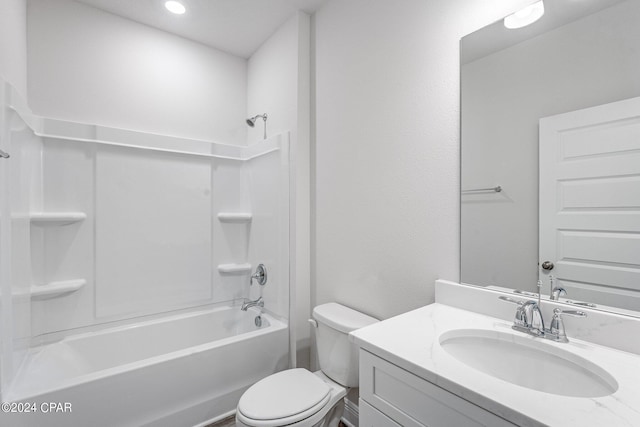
(526,16)
(175,7)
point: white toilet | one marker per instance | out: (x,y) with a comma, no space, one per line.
(300,398)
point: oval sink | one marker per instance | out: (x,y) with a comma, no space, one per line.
(527,362)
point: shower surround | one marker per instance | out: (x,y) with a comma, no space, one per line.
(112,229)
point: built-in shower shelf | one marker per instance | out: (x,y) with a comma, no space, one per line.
(56,218)
(56,289)
(235,217)
(234,268)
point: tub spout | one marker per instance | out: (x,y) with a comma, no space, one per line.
(247,304)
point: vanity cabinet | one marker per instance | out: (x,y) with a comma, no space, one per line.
(392,396)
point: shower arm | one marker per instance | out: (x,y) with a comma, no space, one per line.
(264,120)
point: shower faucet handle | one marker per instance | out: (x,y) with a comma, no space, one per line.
(259,276)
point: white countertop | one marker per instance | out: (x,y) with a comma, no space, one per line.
(411,341)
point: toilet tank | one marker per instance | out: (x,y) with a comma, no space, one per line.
(338,357)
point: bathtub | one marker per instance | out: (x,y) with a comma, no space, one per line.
(185,370)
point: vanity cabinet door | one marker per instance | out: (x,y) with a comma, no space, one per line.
(412,401)
(371,417)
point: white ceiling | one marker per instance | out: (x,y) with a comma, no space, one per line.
(235,26)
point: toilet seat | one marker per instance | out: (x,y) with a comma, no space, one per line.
(283,398)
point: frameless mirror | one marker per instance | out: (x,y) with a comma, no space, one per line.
(550,168)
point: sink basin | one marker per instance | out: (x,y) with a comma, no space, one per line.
(528,362)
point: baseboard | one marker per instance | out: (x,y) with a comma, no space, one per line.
(351,413)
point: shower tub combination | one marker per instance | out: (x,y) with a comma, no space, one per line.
(185,370)
(130,251)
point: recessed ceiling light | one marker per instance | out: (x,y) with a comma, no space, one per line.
(526,16)
(175,7)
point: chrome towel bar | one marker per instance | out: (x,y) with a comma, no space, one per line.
(495,189)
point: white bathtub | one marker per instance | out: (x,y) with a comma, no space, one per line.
(179,371)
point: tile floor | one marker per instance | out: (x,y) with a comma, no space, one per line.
(227,422)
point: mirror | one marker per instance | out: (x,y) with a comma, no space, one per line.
(550,163)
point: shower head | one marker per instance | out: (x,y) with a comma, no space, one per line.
(251,122)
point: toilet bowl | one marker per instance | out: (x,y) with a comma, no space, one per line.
(300,398)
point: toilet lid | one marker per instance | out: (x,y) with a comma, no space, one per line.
(294,394)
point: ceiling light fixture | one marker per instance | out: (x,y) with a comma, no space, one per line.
(526,16)
(175,7)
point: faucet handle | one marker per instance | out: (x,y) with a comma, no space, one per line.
(557,329)
(520,320)
(259,276)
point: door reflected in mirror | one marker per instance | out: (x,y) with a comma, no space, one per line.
(551,117)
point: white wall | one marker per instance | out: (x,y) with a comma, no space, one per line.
(90,66)
(278,84)
(14,313)
(387,148)
(13,43)
(588,62)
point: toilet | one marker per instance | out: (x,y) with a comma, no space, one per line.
(300,398)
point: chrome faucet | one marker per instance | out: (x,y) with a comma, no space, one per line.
(555,292)
(247,304)
(533,321)
(528,319)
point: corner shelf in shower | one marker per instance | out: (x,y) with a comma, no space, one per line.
(234,268)
(56,289)
(235,217)
(56,218)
